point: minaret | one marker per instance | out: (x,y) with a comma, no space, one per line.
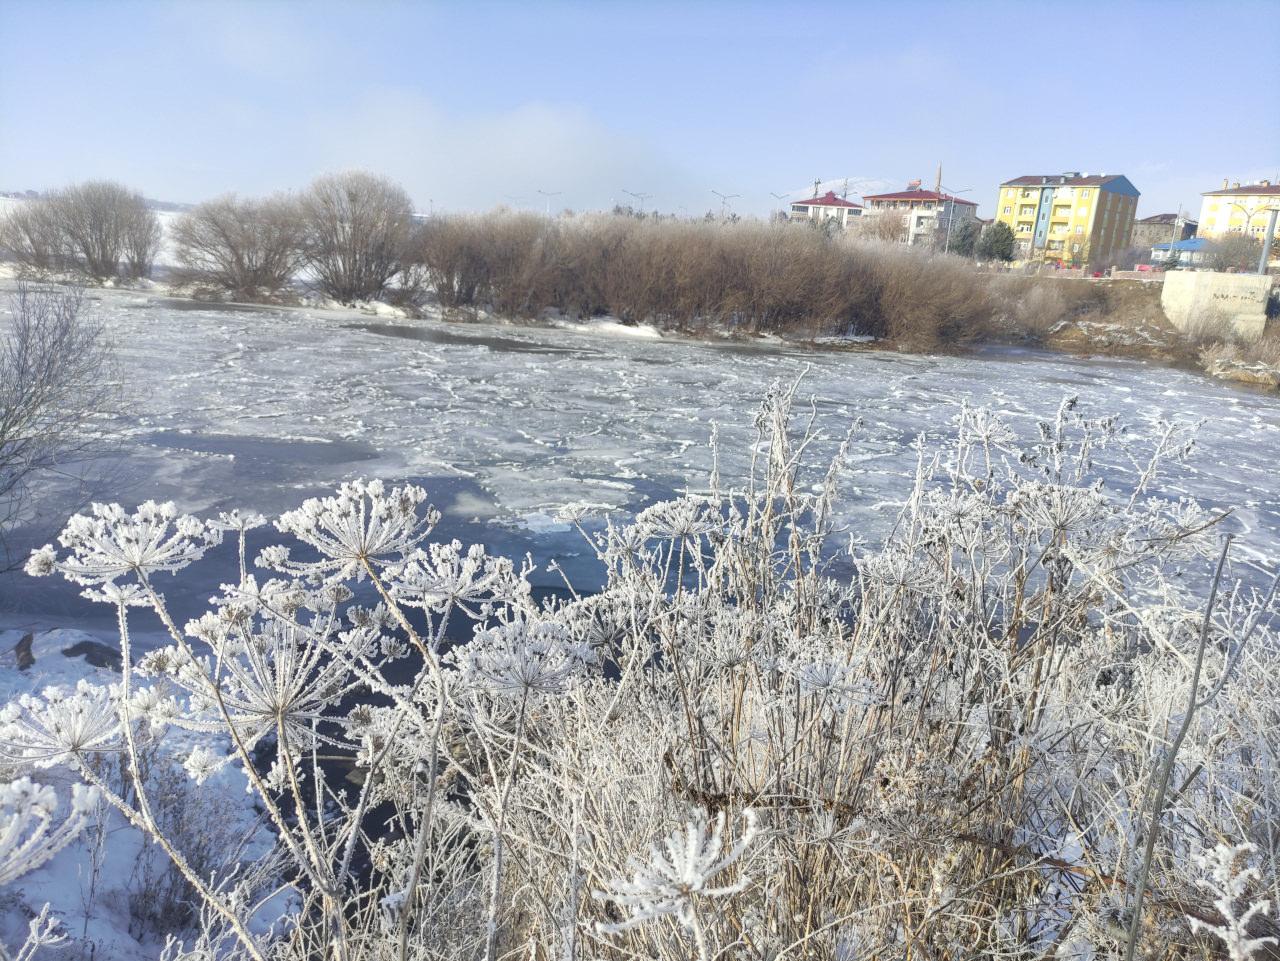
(938,189)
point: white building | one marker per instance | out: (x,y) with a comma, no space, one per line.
(827,207)
(926,215)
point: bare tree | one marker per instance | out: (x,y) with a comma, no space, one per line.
(890,226)
(248,248)
(141,235)
(30,237)
(356,228)
(102,224)
(53,364)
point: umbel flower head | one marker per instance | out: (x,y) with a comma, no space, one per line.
(684,518)
(445,574)
(363,523)
(108,543)
(524,658)
(61,724)
(678,871)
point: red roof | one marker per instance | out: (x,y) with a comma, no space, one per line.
(829,199)
(920,195)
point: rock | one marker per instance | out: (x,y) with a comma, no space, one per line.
(22,651)
(95,653)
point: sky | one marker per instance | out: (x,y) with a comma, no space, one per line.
(573,105)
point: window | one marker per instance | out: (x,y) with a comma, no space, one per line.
(1083,212)
(1084,192)
(1009,193)
(1075,248)
(1079,230)
(1008,210)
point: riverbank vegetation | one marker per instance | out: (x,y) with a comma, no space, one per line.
(1031,723)
(353,238)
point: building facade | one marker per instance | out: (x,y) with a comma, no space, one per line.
(1236,209)
(826,208)
(1161,229)
(926,216)
(1071,219)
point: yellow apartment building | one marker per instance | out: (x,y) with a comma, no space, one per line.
(1240,209)
(1074,219)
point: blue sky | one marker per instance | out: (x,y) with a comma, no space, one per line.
(473,105)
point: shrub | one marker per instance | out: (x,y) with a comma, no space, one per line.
(356,228)
(745,276)
(943,746)
(249,249)
(1233,252)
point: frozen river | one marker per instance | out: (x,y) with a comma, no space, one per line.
(259,408)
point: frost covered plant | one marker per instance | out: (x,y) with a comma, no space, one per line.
(677,877)
(446,575)
(363,524)
(108,544)
(1229,882)
(523,659)
(29,836)
(60,725)
(950,730)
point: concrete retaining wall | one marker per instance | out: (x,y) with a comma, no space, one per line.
(1199,298)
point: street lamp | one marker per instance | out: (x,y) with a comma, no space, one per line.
(1249,214)
(951,215)
(641,197)
(548,194)
(724,201)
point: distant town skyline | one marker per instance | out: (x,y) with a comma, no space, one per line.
(585,105)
